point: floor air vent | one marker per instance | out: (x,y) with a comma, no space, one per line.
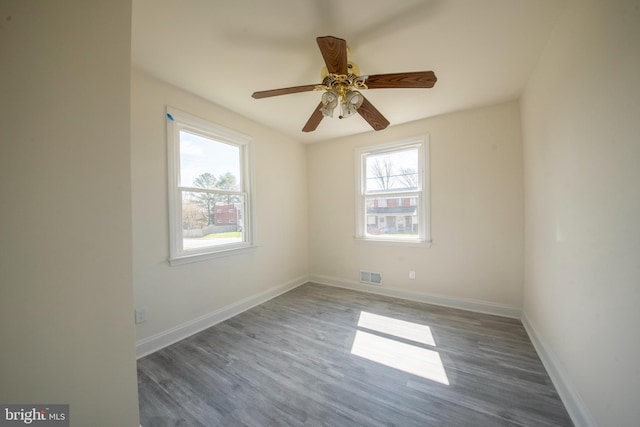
(370,277)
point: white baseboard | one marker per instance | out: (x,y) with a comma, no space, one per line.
(163,339)
(575,406)
(477,306)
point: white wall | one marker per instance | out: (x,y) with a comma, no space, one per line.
(178,295)
(476,211)
(581,127)
(66,299)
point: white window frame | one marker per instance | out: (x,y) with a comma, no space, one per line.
(177,121)
(424,227)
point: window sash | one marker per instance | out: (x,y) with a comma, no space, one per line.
(398,233)
(211,191)
(400,150)
(393,194)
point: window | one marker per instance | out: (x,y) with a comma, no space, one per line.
(392,197)
(209,177)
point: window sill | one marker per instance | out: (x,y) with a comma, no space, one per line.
(204,256)
(395,242)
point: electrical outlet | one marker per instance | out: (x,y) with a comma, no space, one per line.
(141,314)
(412,274)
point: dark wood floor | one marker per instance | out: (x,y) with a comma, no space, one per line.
(318,356)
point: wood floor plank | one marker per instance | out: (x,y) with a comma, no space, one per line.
(289,362)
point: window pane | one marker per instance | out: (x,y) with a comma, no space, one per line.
(397,170)
(393,217)
(211,219)
(206,163)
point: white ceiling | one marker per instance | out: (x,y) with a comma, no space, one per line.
(482,52)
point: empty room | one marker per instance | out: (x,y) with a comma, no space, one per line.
(320,213)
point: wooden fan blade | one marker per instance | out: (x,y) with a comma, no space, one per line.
(419,79)
(334,53)
(283,91)
(314,120)
(372,115)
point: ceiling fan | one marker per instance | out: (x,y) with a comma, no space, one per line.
(342,82)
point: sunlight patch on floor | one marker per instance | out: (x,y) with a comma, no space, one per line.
(397,328)
(410,358)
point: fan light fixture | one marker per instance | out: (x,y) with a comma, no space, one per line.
(351,102)
(341,89)
(329,102)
